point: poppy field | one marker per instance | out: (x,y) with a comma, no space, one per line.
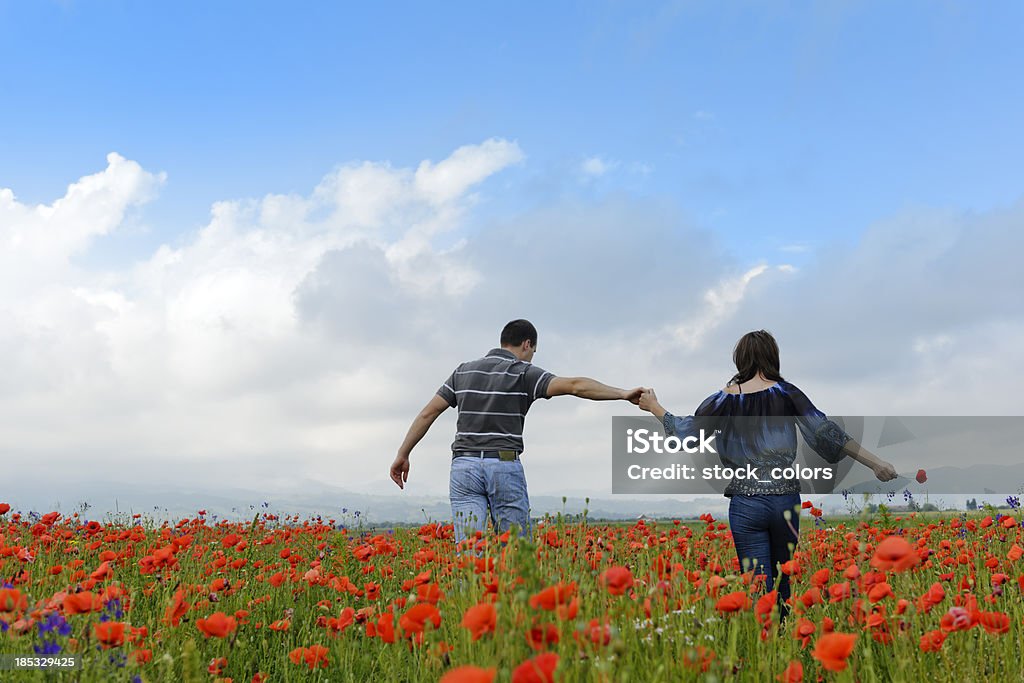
(875,598)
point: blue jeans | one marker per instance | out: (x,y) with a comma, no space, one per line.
(481,484)
(763,537)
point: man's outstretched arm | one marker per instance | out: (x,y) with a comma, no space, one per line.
(584,387)
(420,424)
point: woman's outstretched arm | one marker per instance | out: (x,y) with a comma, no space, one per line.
(829,440)
(673,424)
(883,470)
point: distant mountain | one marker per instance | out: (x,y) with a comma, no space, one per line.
(974,479)
(946,486)
(98,499)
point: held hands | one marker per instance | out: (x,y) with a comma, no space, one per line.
(400,470)
(633,395)
(648,399)
(649,402)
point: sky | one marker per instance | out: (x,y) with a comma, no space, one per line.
(243,243)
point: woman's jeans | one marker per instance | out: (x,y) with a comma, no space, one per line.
(764,538)
(481,484)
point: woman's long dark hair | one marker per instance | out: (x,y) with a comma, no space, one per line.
(756,351)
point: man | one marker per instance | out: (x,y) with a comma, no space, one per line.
(492,395)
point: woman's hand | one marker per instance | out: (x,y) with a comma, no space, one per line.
(884,471)
(649,402)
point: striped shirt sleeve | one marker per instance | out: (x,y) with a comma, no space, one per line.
(537,381)
(447,390)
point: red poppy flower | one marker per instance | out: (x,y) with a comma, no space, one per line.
(383,628)
(480,619)
(794,673)
(568,612)
(733,602)
(804,630)
(895,554)
(313,656)
(109,633)
(540,636)
(177,608)
(469,674)
(957,619)
(82,603)
(933,596)
(429,592)
(880,591)
(217,625)
(599,631)
(765,604)
(417,617)
(995,623)
(617,580)
(11,600)
(838,592)
(552,596)
(217,666)
(833,649)
(921,477)
(932,641)
(539,669)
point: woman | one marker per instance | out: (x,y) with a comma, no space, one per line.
(763,533)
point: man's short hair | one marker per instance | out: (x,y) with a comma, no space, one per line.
(518,331)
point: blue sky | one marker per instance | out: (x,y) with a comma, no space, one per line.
(769,123)
(393,182)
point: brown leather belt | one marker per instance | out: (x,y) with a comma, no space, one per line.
(500,455)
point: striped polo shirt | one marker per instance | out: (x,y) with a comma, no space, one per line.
(493,394)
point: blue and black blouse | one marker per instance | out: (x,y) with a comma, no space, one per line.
(767,443)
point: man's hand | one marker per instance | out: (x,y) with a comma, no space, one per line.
(633,395)
(419,427)
(884,471)
(400,471)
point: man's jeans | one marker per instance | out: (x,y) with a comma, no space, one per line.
(763,537)
(479,484)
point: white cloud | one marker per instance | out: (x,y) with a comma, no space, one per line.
(187,351)
(720,302)
(298,334)
(39,241)
(596,167)
(467,166)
